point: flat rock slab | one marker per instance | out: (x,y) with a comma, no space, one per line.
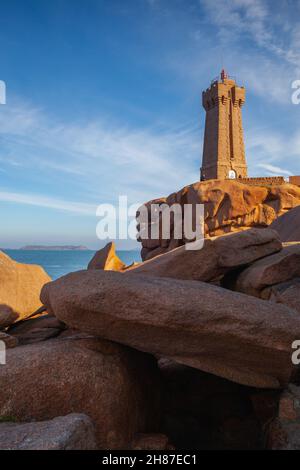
(214,258)
(241,338)
(72,432)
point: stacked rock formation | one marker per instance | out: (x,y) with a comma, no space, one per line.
(229,206)
(191,349)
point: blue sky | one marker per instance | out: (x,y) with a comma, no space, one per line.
(104,99)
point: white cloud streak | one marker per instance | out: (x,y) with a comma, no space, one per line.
(274,170)
(47,202)
(100,158)
(264,22)
(272,151)
(256,40)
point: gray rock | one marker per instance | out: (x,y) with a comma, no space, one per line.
(72,432)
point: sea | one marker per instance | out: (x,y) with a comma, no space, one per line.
(58,263)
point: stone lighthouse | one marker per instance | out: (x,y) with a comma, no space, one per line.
(223,148)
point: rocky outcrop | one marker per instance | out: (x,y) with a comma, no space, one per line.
(278,268)
(116,387)
(232,335)
(107,259)
(213,332)
(288,225)
(229,206)
(20,286)
(71,432)
(217,257)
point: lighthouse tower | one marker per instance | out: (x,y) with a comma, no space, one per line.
(223,148)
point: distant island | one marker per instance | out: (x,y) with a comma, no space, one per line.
(55,248)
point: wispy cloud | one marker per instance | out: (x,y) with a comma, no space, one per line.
(272,151)
(47,202)
(271,25)
(274,170)
(257,40)
(99,159)
(263,39)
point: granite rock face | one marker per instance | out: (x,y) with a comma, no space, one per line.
(232,335)
(229,206)
(83,375)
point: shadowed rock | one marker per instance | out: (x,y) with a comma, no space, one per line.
(284,431)
(287,293)
(36,329)
(151,442)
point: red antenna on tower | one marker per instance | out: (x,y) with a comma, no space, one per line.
(224,74)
